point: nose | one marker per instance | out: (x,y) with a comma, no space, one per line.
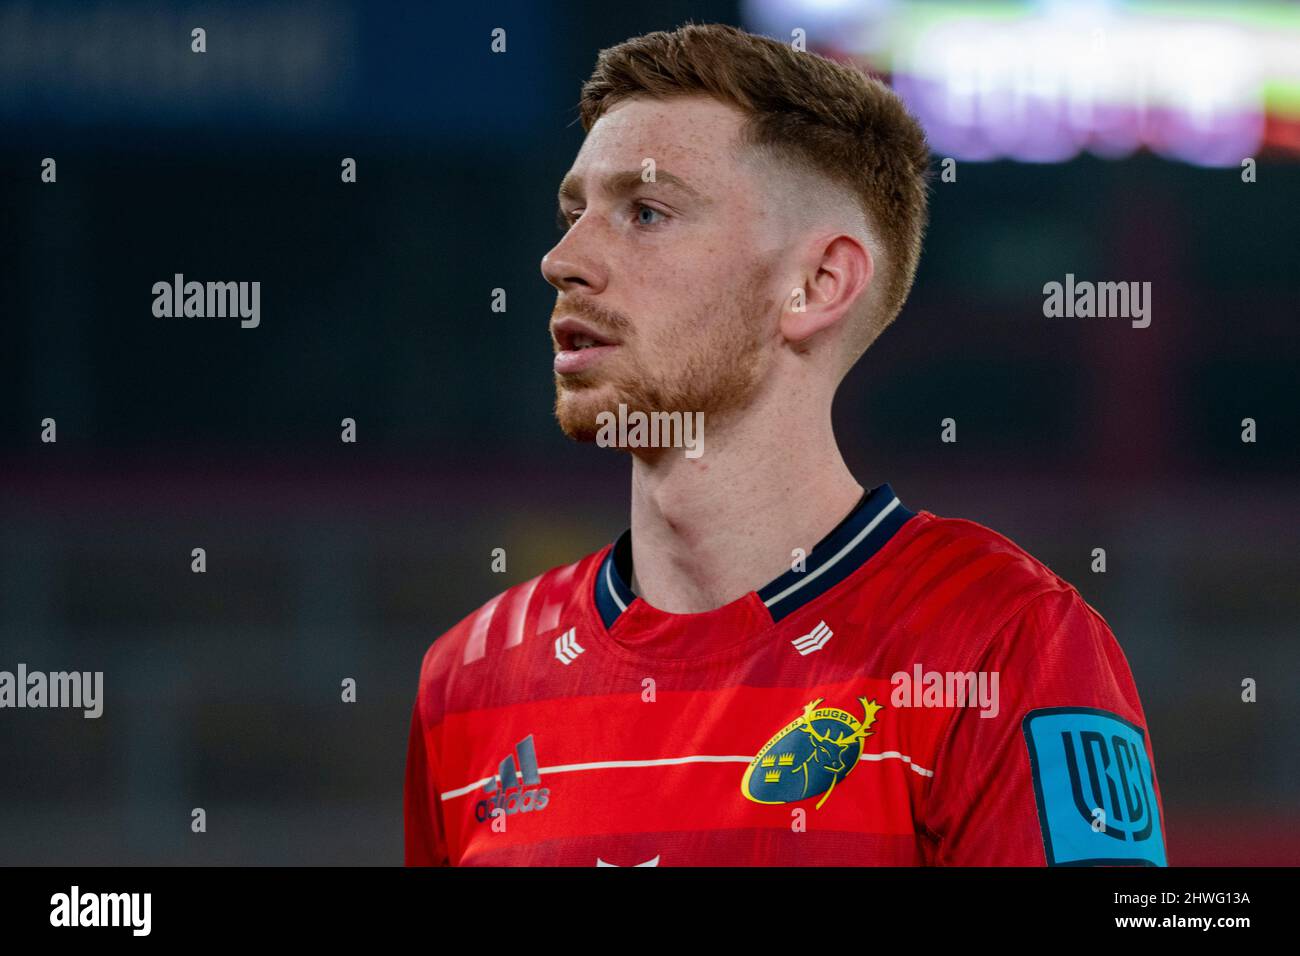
(570,264)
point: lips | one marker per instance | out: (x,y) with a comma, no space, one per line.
(572,335)
(579,345)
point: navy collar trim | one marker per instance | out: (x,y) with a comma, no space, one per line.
(866,529)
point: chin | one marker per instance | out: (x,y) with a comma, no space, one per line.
(576,410)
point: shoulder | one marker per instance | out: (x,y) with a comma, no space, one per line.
(1022,603)
(966,559)
(964,584)
(504,621)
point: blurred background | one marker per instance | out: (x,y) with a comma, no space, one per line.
(1099,139)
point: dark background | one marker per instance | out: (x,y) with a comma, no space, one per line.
(328,560)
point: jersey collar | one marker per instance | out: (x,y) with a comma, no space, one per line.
(872,522)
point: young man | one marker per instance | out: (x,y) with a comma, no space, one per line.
(769,667)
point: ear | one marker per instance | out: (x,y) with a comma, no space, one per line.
(837,271)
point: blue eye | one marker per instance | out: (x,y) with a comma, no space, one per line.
(641,210)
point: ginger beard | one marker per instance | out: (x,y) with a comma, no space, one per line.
(709,361)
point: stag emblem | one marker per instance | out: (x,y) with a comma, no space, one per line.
(810,755)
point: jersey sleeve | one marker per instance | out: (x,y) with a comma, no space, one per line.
(426,843)
(1063,773)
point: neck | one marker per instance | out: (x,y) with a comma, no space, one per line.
(708,530)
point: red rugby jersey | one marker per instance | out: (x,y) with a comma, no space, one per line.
(919,692)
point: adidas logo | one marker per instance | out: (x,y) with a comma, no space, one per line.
(814,640)
(567,647)
(509,787)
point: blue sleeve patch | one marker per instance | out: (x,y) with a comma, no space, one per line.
(1093,782)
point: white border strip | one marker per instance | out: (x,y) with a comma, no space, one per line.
(857,539)
(609,584)
(666,762)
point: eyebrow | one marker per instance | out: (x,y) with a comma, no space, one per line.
(622,183)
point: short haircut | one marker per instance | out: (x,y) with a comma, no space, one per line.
(819,115)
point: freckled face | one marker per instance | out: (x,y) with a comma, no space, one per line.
(670,279)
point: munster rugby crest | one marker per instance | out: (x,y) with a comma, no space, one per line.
(809,755)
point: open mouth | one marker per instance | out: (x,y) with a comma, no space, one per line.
(578,345)
(572,336)
(581,341)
